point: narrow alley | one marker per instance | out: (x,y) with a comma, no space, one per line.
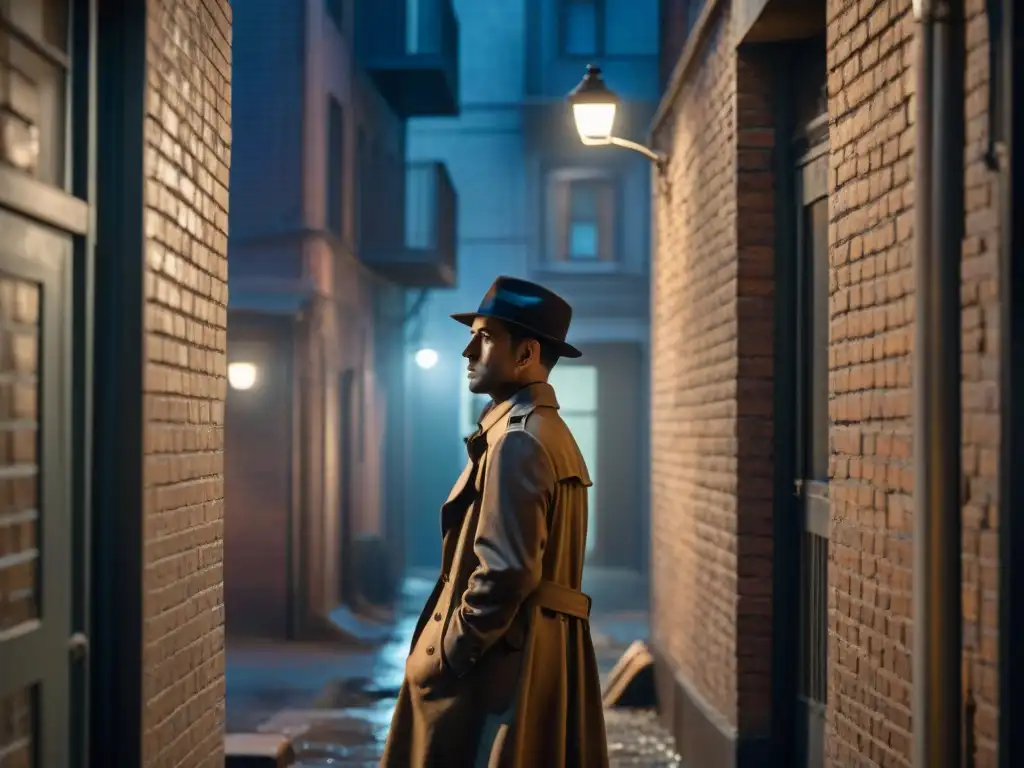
(335,703)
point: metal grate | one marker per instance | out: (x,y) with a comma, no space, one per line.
(814,618)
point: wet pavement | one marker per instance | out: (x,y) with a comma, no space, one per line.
(336,702)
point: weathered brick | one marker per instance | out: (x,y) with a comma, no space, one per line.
(188,138)
(712,380)
(712,315)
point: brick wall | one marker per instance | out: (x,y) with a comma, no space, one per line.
(712,309)
(871,83)
(980,339)
(188,136)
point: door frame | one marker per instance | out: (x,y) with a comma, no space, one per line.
(116,707)
(812,508)
(629,532)
(788,730)
(67,208)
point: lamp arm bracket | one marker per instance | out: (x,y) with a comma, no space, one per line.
(658,158)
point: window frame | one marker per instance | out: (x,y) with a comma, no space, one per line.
(557,213)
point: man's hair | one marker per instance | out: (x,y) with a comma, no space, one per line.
(548,353)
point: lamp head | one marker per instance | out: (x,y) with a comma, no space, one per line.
(593,107)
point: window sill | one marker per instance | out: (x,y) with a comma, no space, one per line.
(580,267)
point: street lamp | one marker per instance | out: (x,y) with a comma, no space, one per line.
(426,358)
(593,108)
(241,375)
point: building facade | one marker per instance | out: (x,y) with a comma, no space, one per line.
(115,146)
(536,204)
(783,325)
(330,228)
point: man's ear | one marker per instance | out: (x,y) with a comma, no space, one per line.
(528,350)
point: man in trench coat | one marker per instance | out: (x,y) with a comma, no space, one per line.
(501,670)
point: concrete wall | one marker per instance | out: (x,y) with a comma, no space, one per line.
(188,154)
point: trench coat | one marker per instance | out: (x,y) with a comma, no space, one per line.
(501,670)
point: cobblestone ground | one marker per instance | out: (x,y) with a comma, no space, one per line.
(336,704)
(636,738)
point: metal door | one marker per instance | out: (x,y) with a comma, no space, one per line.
(811,485)
(43,235)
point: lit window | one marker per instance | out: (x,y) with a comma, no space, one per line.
(582,218)
(576,387)
(584,234)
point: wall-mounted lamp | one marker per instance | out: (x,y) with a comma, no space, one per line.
(593,108)
(426,358)
(242,375)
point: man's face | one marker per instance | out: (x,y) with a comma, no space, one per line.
(491,359)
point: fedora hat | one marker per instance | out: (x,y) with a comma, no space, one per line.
(531,308)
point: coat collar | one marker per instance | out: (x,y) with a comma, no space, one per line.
(540,395)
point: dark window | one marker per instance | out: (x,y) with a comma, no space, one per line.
(335,167)
(583,219)
(336,11)
(581,27)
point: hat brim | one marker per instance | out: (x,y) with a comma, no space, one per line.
(563,349)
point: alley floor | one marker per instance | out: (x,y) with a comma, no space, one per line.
(335,702)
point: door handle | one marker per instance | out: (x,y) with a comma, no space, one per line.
(78,645)
(798,488)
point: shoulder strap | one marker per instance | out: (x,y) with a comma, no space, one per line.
(518,415)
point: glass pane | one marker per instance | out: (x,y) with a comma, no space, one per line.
(32,111)
(580,33)
(583,240)
(19,513)
(17,725)
(583,200)
(576,387)
(817,219)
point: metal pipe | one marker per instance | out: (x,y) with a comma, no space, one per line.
(1011,339)
(939,150)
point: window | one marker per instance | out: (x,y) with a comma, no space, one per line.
(582,212)
(336,11)
(581,25)
(576,388)
(335,167)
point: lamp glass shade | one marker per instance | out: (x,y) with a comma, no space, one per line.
(594,120)
(242,375)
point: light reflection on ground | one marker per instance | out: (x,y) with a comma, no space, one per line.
(336,702)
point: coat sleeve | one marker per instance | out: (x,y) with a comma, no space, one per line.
(509,544)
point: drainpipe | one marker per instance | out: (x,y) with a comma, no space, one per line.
(939,153)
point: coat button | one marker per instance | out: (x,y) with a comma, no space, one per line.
(430,650)
(437,617)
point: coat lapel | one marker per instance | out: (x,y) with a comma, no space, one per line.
(452,511)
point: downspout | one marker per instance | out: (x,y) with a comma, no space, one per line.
(1011,337)
(939,154)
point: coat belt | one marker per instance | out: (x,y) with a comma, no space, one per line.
(561,599)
